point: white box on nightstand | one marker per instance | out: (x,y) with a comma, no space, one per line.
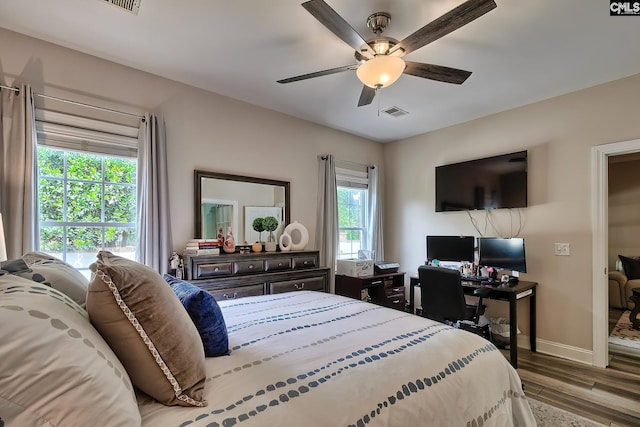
(355,267)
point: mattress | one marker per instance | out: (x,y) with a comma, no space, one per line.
(316,359)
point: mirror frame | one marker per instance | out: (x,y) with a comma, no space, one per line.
(198,175)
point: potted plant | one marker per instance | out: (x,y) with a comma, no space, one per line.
(270,224)
(258,226)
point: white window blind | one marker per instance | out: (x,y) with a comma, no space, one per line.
(77,133)
(352,176)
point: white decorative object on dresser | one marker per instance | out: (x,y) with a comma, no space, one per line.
(230,276)
(295,237)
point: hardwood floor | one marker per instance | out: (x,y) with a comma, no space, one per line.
(610,396)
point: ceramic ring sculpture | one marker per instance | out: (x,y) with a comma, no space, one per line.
(302,231)
(285,242)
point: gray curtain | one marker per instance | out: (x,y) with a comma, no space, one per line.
(327,221)
(154,243)
(374,228)
(18,203)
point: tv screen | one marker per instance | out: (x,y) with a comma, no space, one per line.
(490,183)
(450,248)
(502,253)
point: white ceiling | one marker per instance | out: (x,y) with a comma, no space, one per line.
(521,52)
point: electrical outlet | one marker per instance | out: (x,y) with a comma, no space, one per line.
(563,249)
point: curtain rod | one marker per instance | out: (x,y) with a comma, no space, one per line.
(15,89)
(81,104)
(352,163)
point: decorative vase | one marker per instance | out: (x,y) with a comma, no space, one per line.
(270,245)
(298,236)
(285,242)
(229,245)
(256,247)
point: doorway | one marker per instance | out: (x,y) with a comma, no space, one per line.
(600,243)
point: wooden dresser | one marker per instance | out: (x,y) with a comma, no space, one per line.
(230,276)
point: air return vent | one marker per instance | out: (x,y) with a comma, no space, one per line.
(395,112)
(130,5)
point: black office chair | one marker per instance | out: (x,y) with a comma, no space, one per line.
(443,299)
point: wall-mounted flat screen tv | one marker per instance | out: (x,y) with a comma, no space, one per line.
(491,183)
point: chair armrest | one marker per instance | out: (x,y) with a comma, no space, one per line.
(618,277)
(482,292)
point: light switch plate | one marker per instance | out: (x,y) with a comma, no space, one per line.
(562,249)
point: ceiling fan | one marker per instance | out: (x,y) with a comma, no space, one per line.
(379,59)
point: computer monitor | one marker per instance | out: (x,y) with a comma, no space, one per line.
(451,248)
(502,253)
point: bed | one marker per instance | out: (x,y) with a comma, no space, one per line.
(316,359)
(302,358)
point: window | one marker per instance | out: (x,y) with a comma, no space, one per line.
(352,187)
(86,194)
(352,204)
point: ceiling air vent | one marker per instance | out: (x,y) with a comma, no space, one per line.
(131,5)
(395,112)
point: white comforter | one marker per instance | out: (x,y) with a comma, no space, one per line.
(316,359)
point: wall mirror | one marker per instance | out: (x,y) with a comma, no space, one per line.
(224,201)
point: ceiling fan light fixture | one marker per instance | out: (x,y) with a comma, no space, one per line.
(381,47)
(381,71)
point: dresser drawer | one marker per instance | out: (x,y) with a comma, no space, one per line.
(212,269)
(394,296)
(306,284)
(396,303)
(245,267)
(239,292)
(392,291)
(304,262)
(278,264)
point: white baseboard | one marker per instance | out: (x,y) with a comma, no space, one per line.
(558,350)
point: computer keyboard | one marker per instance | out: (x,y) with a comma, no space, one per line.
(472,278)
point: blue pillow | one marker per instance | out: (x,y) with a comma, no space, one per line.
(205,314)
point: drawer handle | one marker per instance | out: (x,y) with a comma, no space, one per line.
(305,263)
(300,286)
(279,264)
(226,296)
(376,282)
(216,269)
(396,289)
(396,301)
(250,266)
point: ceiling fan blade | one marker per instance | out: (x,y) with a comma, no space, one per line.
(367,95)
(336,24)
(319,73)
(450,21)
(436,72)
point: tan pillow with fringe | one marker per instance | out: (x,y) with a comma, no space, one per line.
(149,330)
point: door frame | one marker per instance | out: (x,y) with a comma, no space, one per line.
(600,242)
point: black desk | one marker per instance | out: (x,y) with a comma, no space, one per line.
(512,294)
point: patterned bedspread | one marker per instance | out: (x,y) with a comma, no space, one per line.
(315,359)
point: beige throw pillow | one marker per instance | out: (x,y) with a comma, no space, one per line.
(149,330)
(55,368)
